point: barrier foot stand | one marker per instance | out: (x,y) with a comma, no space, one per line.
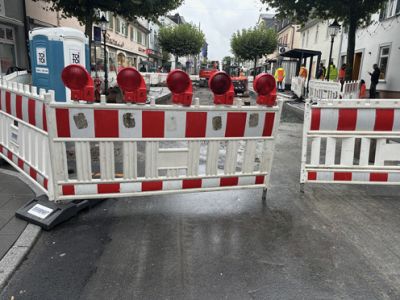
(264,195)
(47,214)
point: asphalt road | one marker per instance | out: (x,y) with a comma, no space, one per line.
(332,242)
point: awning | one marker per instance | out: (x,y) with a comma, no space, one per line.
(301,53)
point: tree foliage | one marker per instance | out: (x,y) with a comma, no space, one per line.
(254,43)
(181,40)
(354,14)
(86,11)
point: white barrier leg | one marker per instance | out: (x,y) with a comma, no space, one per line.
(264,195)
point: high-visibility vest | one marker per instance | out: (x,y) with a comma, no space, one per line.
(332,72)
(280,74)
(303,72)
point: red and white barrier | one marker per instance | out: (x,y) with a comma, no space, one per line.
(297,86)
(23,132)
(85,150)
(322,89)
(195,134)
(352,141)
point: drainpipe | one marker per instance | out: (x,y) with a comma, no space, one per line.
(294,32)
(340,48)
(26,34)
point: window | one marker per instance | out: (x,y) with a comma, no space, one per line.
(7,49)
(303,40)
(132,33)
(110,19)
(390,9)
(384,52)
(316,34)
(121,27)
(139,37)
(308,35)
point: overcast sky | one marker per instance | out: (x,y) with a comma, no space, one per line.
(219,19)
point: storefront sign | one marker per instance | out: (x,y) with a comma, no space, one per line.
(114,42)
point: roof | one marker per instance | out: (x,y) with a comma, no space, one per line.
(310,24)
(300,53)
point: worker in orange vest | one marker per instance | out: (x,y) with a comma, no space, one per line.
(280,78)
(303,72)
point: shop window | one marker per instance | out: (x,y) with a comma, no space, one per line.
(384,52)
(7,49)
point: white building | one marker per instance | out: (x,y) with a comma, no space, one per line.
(379,44)
(315,36)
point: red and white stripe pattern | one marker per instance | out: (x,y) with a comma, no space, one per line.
(355,119)
(346,176)
(101,123)
(24,167)
(160,185)
(31,111)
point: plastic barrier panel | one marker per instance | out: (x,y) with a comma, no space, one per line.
(351,90)
(352,141)
(321,89)
(23,132)
(297,86)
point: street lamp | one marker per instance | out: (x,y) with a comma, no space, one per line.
(333,30)
(103,24)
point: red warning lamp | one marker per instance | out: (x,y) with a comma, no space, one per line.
(180,85)
(78,80)
(221,85)
(133,85)
(265,86)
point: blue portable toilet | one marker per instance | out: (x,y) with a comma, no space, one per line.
(52,49)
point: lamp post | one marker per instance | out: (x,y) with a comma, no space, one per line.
(103,24)
(333,30)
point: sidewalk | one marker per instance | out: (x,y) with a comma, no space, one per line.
(13,194)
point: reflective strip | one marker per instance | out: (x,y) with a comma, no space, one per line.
(167,185)
(25,167)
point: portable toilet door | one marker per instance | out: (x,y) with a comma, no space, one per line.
(51,50)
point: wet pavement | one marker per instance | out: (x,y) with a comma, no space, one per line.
(333,241)
(13,194)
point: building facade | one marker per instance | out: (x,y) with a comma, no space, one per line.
(379,43)
(13,32)
(126,42)
(315,36)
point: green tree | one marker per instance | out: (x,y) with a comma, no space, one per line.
(86,11)
(227,61)
(254,43)
(353,14)
(181,40)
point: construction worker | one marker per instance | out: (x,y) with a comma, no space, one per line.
(333,72)
(303,72)
(280,78)
(342,74)
(363,89)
